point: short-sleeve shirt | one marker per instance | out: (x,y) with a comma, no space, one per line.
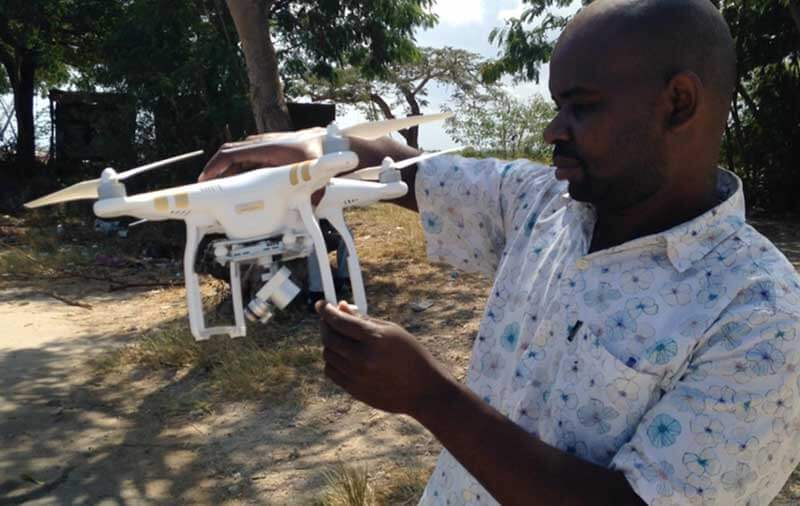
(673,358)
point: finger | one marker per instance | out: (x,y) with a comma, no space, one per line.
(346,324)
(216,166)
(352,309)
(349,308)
(337,377)
(342,345)
(336,360)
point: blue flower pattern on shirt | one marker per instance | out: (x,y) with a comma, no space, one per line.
(674,358)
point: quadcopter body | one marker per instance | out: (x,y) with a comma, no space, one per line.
(266,216)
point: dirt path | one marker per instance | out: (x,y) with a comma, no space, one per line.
(69,437)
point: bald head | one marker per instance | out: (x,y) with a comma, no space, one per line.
(661,38)
(643,89)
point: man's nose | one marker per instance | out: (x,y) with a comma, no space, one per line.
(557,130)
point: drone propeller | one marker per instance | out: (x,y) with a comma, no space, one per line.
(375,129)
(373,173)
(369,130)
(89,189)
(150,166)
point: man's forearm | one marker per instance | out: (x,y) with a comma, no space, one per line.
(372,153)
(409,200)
(514,466)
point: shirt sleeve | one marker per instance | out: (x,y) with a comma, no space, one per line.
(727,432)
(469,207)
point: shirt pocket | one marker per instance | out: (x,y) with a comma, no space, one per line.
(596,400)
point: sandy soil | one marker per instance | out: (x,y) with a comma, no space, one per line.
(70,437)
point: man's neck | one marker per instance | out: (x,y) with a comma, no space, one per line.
(664,210)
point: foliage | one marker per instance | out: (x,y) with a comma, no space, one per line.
(765,115)
(527,41)
(39,41)
(183,66)
(503,125)
(313,39)
(404,86)
(318,37)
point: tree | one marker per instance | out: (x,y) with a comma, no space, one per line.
(758,143)
(765,112)
(524,46)
(183,67)
(305,38)
(253,25)
(499,124)
(404,86)
(38,41)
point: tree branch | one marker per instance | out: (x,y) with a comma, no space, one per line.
(385,109)
(749,101)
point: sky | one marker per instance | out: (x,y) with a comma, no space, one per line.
(466,24)
(463,24)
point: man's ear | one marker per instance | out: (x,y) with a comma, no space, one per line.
(684,93)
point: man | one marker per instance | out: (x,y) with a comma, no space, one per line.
(640,343)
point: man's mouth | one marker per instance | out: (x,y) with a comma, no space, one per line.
(567,168)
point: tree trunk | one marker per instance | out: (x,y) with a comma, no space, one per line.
(23,104)
(794,9)
(266,93)
(412,134)
(21,67)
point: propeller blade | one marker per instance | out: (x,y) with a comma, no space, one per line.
(150,166)
(78,191)
(408,162)
(376,129)
(373,173)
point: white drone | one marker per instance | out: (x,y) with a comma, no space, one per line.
(266,215)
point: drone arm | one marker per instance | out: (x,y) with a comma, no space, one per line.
(336,219)
(311,224)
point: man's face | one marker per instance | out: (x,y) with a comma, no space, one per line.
(608,137)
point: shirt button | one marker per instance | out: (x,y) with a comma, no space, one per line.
(582,264)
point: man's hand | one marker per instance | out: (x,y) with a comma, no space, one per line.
(276,154)
(284,150)
(378,362)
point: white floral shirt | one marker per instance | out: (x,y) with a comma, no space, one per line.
(673,358)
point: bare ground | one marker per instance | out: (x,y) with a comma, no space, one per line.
(71,436)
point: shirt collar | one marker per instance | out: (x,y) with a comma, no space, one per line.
(691,241)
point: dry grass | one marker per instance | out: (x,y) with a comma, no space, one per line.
(275,360)
(403,487)
(347,486)
(387,231)
(39,252)
(237,369)
(353,486)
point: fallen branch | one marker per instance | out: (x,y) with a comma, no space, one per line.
(116,288)
(67,301)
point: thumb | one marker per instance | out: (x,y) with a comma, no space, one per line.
(350,309)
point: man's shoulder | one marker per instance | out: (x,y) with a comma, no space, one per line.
(761,266)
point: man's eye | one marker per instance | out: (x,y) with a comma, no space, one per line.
(579,109)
